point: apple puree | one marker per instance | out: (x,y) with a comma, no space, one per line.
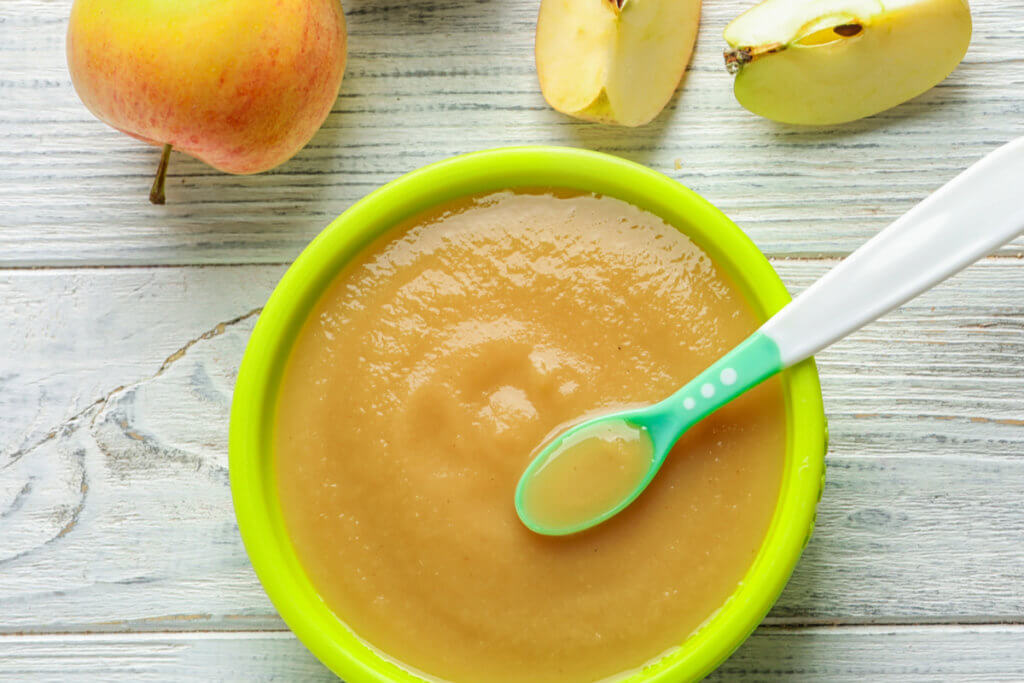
(588,474)
(430,371)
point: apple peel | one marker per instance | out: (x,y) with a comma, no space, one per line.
(824,62)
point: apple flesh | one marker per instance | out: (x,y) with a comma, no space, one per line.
(240,84)
(823,62)
(614,61)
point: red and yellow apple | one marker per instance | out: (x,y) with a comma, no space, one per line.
(240,84)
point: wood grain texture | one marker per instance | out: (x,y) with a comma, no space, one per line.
(921,654)
(427,80)
(71,337)
(115,512)
(119,553)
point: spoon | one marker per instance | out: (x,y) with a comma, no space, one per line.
(592,471)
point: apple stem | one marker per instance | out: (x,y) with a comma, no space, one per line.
(156,193)
(736,57)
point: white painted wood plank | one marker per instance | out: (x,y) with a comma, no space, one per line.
(73,336)
(122,518)
(252,657)
(69,338)
(942,376)
(427,80)
(120,535)
(918,653)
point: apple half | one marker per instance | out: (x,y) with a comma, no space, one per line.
(822,62)
(614,61)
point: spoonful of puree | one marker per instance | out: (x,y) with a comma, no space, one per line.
(592,471)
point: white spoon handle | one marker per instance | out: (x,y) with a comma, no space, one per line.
(969,217)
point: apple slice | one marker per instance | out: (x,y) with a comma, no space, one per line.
(614,61)
(821,62)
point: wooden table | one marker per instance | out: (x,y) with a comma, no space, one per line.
(122,325)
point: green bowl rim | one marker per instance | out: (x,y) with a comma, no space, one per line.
(250,462)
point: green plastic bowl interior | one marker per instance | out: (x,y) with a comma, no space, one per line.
(252,478)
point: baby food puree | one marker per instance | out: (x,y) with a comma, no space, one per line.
(588,473)
(422,383)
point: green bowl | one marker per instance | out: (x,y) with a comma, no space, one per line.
(253,485)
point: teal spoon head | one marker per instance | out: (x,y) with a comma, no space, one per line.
(587,474)
(591,472)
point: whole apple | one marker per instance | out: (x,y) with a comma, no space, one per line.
(240,84)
